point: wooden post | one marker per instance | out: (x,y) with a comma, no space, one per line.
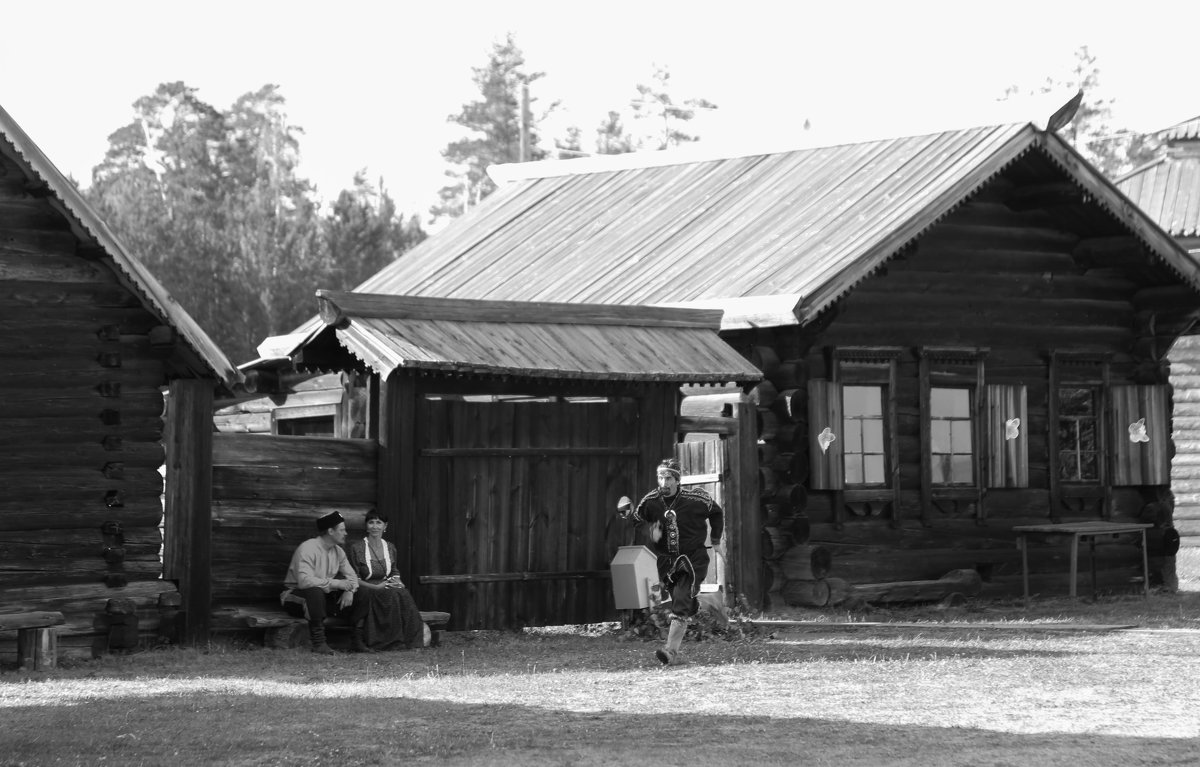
(744,521)
(396,494)
(187,549)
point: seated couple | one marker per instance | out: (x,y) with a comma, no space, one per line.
(364,587)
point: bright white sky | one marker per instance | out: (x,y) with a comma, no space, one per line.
(371,82)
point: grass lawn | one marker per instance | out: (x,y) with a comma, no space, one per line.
(985,684)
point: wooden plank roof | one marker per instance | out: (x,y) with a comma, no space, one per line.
(534,340)
(1168,188)
(90,229)
(771,239)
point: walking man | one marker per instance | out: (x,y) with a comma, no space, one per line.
(679,521)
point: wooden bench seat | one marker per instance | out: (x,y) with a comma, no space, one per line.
(37,640)
(283,630)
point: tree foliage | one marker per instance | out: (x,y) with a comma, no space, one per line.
(1112,149)
(496,123)
(660,120)
(213,204)
(611,136)
(665,121)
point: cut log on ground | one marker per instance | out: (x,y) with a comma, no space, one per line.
(806,563)
(840,590)
(965,582)
(805,593)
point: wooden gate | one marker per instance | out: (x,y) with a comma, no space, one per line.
(517,502)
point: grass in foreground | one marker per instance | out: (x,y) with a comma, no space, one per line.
(590,695)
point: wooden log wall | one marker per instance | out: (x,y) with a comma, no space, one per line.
(1185,466)
(268,493)
(986,277)
(81,419)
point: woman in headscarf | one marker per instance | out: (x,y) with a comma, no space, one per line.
(392,620)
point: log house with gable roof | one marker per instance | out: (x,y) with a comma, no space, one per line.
(961,332)
(91,342)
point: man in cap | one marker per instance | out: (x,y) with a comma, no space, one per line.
(679,521)
(320,580)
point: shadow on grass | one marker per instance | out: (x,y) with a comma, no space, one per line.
(213,729)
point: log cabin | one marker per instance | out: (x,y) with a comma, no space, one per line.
(961,333)
(1168,190)
(90,343)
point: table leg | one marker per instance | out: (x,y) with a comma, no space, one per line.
(1074,561)
(1092,549)
(1145,567)
(1024,565)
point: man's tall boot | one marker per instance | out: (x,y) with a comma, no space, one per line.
(316,632)
(675,634)
(356,639)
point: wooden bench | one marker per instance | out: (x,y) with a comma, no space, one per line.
(37,640)
(283,630)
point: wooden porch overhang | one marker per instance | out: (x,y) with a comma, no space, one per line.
(534,339)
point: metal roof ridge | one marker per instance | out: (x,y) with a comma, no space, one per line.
(696,153)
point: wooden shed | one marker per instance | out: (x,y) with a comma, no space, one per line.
(498,438)
(90,343)
(961,333)
(1168,190)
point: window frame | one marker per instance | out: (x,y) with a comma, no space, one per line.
(302,412)
(1080,369)
(954,368)
(951,419)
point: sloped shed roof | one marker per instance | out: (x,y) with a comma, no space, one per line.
(1168,189)
(534,340)
(771,239)
(89,228)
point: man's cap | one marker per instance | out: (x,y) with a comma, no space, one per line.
(329,521)
(671,465)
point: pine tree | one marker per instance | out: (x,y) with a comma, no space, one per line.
(497,123)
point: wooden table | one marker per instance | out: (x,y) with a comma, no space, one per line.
(1079,530)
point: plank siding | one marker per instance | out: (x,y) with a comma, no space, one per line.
(526,528)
